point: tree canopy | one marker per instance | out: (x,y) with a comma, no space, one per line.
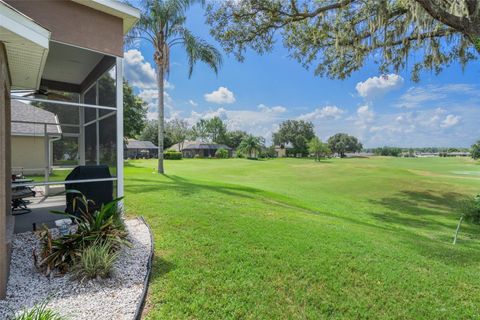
(342,143)
(388,151)
(296,132)
(476,150)
(176,131)
(213,130)
(134,112)
(336,37)
(318,148)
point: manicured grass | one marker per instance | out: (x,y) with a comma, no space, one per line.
(291,238)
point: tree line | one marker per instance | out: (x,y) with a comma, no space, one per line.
(296,136)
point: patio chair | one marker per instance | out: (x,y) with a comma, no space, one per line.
(19,204)
(99,192)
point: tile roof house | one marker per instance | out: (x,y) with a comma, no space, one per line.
(134,149)
(200,149)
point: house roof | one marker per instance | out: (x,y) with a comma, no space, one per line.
(199,145)
(136,144)
(27,45)
(27,112)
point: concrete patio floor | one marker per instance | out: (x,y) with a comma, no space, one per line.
(41,207)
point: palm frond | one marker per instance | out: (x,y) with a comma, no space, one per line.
(199,50)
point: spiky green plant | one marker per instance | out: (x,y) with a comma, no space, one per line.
(39,312)
(95,261)
(104,225)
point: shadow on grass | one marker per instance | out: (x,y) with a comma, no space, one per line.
(424,210)
(160,267)
(187,187)
(421,209)
(405,212)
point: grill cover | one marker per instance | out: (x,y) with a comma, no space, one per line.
(99,192)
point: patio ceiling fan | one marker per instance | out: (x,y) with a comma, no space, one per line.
(44,93)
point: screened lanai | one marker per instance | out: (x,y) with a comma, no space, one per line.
(73,119)
(68,131)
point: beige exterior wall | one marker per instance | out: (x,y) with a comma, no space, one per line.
(5,176)
(76,24)
(28,153)
(281,152)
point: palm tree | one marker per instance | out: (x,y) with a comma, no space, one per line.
(162,23)
(250,145)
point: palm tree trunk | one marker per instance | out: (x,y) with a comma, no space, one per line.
(161,116)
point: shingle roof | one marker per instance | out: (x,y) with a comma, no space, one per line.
(136,144)
(196,145)
(27,112)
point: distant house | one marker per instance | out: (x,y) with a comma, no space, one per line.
(33,132)
(359,154)
(134,149)
(281,151)
(458,154)
(427,154)
(199,149)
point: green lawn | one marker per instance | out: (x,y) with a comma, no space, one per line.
(291,238)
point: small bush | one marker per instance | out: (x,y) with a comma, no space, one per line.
(172,155)
(104,225)
(221,153)
(39,312)
(471,209)
(95,261)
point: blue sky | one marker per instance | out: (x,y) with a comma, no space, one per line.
(256,95)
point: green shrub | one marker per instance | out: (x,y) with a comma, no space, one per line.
(221,153)
(39,312)
(102,226)
(95,261)
(172,155)
(471,209)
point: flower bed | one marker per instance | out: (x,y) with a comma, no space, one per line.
(117,297)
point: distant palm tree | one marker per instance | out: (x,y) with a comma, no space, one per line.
(162,23)
(250,145)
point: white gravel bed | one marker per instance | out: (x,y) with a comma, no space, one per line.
(113,298)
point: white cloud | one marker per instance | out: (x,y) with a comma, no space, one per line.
(365,115)
(450,121)
(192,103)
(419,96)
(150,96)
(140,73)
(275,109)
(428,127)
(327,112)
(377,86)
(221,95)
(262,122)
